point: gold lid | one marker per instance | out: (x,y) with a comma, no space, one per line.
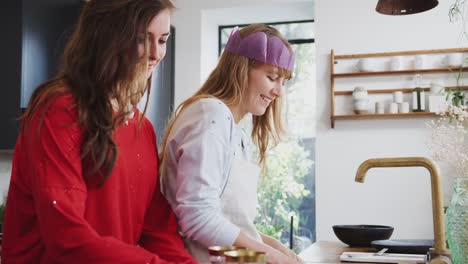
(219,250)
(245,255)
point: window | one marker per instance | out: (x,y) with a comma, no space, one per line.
(289,186)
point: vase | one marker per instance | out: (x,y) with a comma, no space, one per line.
(458,99)
(457,221)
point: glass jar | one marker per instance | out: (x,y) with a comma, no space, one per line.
(418,94)
(216,253)
(457,221)
(245,256)
(418,100)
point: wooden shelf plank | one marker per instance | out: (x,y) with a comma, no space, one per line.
(400,53)
(356,74)
(378,116)
(404,90)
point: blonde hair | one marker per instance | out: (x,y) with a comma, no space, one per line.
(227,83)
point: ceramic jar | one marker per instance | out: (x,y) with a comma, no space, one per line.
(361,100)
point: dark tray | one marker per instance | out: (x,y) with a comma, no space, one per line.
(404,246)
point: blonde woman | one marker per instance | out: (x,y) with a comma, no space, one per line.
(207,175)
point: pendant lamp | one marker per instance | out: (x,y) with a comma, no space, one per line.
(404,7)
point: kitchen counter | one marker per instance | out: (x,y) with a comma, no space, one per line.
(328,252)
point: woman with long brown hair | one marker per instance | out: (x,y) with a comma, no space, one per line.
(84,185)
(206,172)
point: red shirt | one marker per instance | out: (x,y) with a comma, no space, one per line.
(54,215)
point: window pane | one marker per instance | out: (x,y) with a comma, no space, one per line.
(300,102)
(288,188)
(296,30)
(225,32)
(291,31)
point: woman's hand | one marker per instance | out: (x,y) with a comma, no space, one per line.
(276,257)
(290,254)
(280,247)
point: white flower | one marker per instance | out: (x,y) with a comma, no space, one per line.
(449,139)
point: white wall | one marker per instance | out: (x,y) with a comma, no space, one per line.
(197,22)
(397,197)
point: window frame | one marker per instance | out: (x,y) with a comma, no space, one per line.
(292,41)
(302,141)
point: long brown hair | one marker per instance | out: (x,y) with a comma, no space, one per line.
(101,62)
(227,83)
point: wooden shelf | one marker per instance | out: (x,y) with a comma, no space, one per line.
(378,116)
(334,75)
(404,90)
(400,53)
(415,71)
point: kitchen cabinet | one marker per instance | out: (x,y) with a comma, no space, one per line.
(34,33)
(10,71)
(352,76)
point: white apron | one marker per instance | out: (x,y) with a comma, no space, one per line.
(239,204)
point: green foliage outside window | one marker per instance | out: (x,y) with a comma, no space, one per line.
(2,213)
(281,191)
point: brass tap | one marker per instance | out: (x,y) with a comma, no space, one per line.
(440,253)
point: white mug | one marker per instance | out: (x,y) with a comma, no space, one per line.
(403,107)
(379,107)
(453,60)
(419,61)
(393,109)
(398,97)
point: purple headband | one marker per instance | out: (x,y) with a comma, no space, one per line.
(259,47)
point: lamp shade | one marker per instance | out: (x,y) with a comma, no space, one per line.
(404,7)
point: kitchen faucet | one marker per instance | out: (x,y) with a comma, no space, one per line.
(439,254)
